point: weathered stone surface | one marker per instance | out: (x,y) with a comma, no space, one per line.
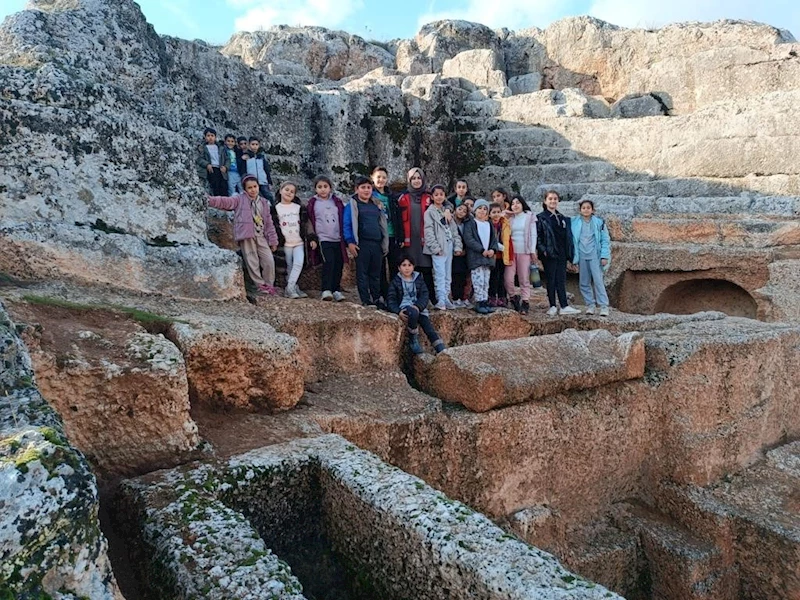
(50,539)
(308,51)
(534,107)
(436,42)
(480,67)
(525,84)
(239,363)
(638,105)
(495,374)
(121,391)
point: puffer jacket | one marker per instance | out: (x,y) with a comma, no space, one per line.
(472,241)
(243,226)
(438,230)
(602,240)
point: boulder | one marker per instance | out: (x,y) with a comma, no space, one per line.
(480,67)
(532,108)
(441,40)
(525,84)
(639,105)
(494,374)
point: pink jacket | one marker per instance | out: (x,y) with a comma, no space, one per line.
(243,226)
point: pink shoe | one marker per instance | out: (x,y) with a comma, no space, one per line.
(268,290)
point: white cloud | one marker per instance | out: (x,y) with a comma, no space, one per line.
(652,14)
(326,13)
(514,14)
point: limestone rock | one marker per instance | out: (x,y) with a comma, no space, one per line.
(480,67)
(50,538)
(638,105)
(494,374)
(441,40)
(525,84)
(548,104)
(308,51)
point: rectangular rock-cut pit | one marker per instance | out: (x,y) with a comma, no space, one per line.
(494,374)
(349,525)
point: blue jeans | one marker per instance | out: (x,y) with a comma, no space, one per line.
(591,275)
(417,319)
(234,181)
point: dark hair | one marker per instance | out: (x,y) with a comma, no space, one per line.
(324,178)
(546,194)
(589,202)
(361,180)
(376,169)
(254,139)
(406,257)
(438,187)
(495,205)
(464,181)
(521,200)
(208,130)
(241,138)
(230,135)
(502,191)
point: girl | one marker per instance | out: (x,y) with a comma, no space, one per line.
(481,242)
(500,196)
(555,248)
(326,232)
(458,288)
(408,297)
(412,205)
(592,255)
(460,193)
(291,217)
(497,290)
(441,241)
(519,250)
(470,202)
(254,231)
(388,203)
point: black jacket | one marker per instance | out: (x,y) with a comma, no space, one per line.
(474,246)
(395,294)
(546,243)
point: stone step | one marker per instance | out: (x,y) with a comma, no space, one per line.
(661,188)
(520,177)
(470,124)
(480,108)
(513,137)
(530,155)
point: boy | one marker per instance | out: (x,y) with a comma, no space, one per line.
(234,179)
(388,203)
(213,163)
(408,297)
(254,162)
(367,237)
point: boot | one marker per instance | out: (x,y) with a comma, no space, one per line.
(524,307)
(515,303)
(482,307)
(439,346)
(489,309)
(413,342)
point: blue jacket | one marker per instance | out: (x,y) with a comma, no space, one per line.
(351,224)
(602,241)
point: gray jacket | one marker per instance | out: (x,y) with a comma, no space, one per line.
(472,241)
(204,159)
(437,231)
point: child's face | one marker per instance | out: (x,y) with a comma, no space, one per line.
(498,197)
(495,214)
(242,145)
(251,187)
(254,146)
(586,210)
(322,189)
(461,188)
(551,201)
(211,138)
(470,204)
(482,213)
(516,206)
(462,210)
(438,196)
(416,181)
(230,142)
(406,269)
(379,178)
(287,193)
(364,191)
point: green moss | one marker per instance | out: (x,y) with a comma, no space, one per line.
(284,167)
(468,155)
(142,316)
(161,241)
(271,110)
(29,455)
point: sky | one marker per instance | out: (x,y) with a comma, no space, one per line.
(216,20)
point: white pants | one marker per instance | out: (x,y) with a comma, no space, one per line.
(443,272)
(295,256)
(480,283)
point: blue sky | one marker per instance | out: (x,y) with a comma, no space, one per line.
(216,20)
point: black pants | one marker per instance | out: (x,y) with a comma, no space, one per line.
(497,286)
(368,271)
(427,277)
(458,286)
(417,319)
(332,265)
(555,270)
(389,267)
(217,183)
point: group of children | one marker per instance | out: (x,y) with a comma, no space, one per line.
(410,249)
(224,165)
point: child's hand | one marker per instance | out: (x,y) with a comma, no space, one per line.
(353,250)
(313,245)
(403,316)
(209,168)
(274,248)
(603,262)
(491,254)
(224,169)
(458,253)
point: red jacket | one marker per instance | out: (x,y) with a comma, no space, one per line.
(404,204)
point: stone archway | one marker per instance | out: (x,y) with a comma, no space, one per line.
(696,295)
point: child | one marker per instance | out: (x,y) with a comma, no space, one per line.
(326,232)
(233,152)
(470,202)
(242,142)
(497,290)
(213,163)
(458,288)
(592,255)
(367,240)
(460,193)
(555,249)
(441,241)
(254,162)
(480,240)
(412,205)
(388,203)
(500,196)
(291,220)
(519,251)
(408,297)
(254,231)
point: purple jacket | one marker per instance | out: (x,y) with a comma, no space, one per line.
(312,222)
(243,226)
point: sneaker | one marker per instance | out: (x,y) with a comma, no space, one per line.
(466,304)
(569,310)
(300,292)
(552,312)
(482,308)
(450,305)
(267,290)
(440,306)
(338,296)
(524,307)
(458,304)
(590,310)
(327,296)
(291,292)
(603,311)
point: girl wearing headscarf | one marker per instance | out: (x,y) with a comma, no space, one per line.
(412,205)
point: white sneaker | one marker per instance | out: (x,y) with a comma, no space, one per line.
(300,292)
(450,305)
(569,310)
(552,312)
(326,295)
(603,311)
(291,292)
(466,304)
(458,304)
(590,310)
(440,306)
(338,296)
